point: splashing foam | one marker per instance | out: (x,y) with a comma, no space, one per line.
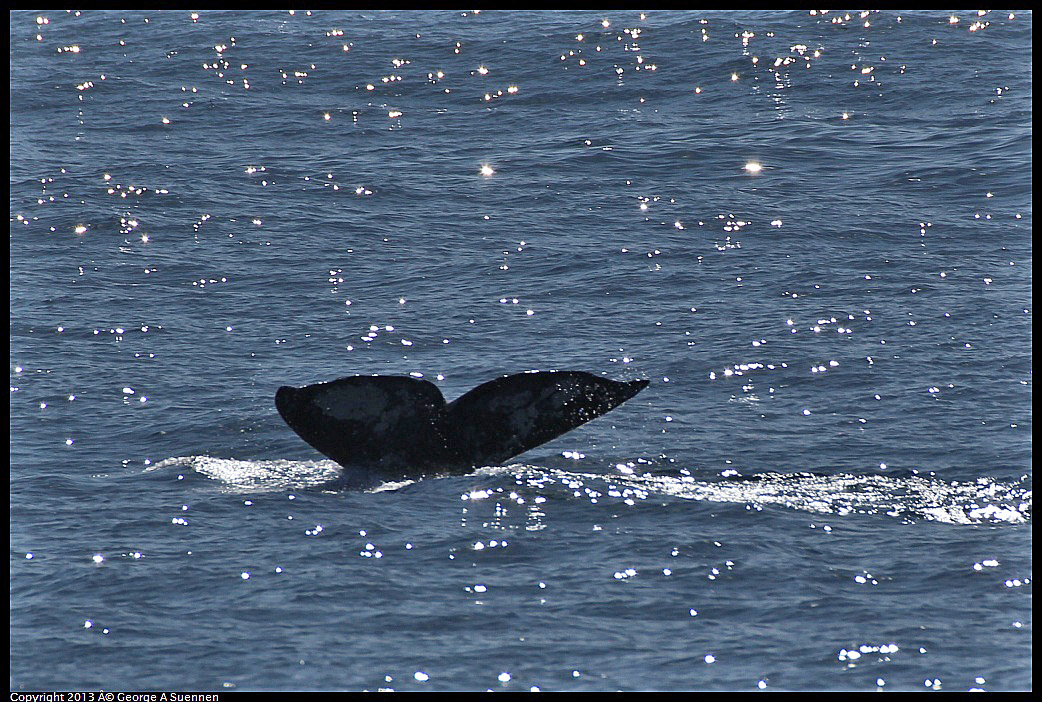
(983,501)
(256,476)
(910,498)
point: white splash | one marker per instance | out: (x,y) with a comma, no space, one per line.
(983,501)
(914,498)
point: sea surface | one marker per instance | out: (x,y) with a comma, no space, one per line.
(810,232)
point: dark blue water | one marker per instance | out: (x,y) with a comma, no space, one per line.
(826,485)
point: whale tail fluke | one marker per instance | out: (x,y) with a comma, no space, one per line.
(402,426)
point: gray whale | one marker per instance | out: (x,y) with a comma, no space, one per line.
(401,427)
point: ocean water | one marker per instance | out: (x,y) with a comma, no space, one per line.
(810,232)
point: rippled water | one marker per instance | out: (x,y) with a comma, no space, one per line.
(810,232)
